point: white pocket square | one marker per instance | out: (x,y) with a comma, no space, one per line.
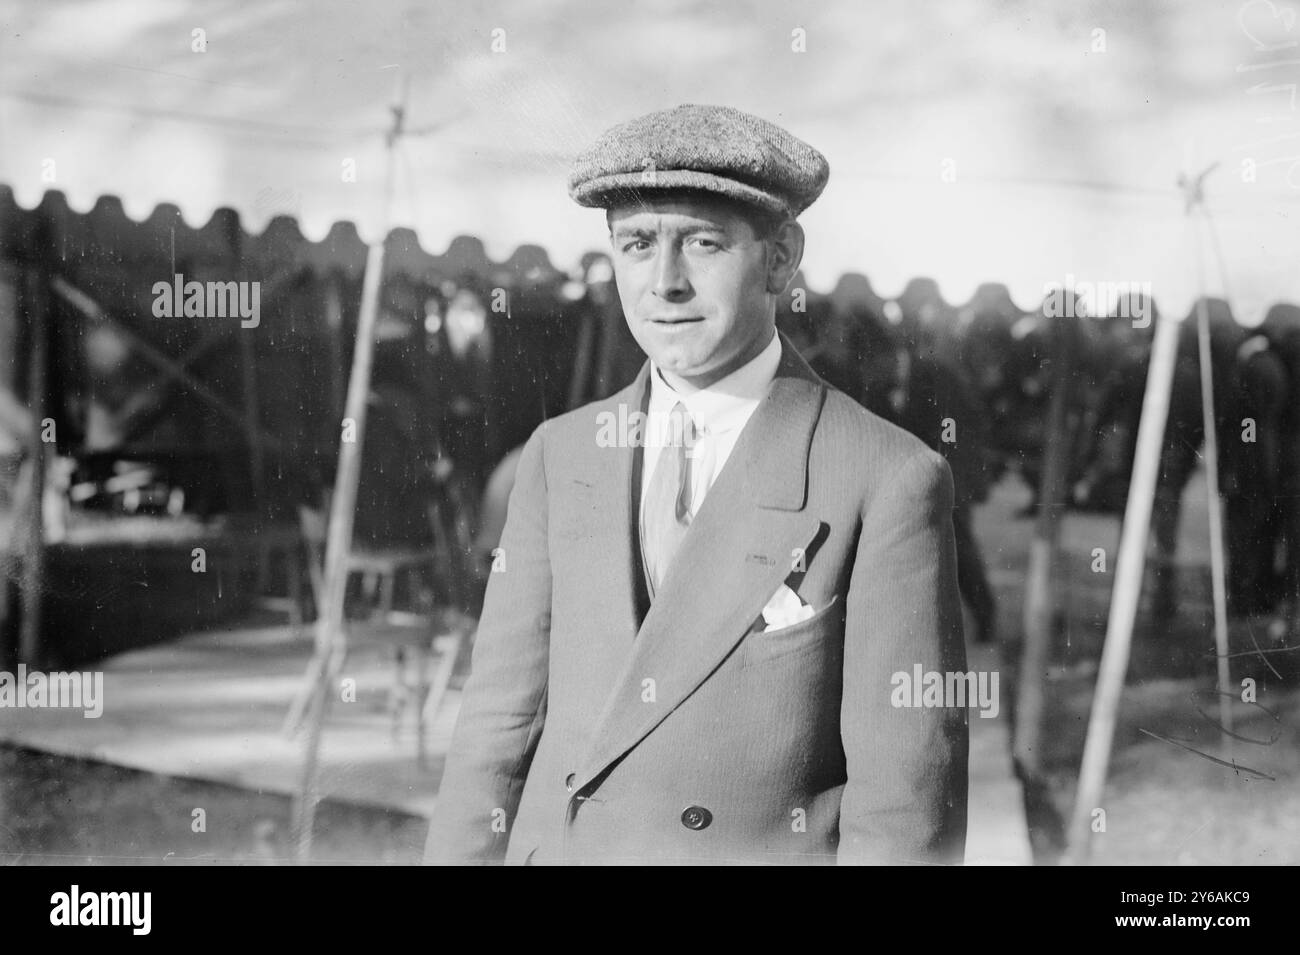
(785,609)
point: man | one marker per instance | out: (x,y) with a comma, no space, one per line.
(692,646)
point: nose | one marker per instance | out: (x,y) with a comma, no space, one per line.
(671,283)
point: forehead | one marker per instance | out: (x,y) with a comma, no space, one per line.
(676,211)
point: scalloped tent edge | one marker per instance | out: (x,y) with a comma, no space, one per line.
(343,251)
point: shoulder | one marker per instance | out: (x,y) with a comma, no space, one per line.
(577,434)
(866,442)
(883,472)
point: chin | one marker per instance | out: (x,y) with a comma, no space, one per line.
(687,363)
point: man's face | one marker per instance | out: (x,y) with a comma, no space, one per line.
(693,278)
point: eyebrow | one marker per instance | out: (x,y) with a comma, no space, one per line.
(624,231)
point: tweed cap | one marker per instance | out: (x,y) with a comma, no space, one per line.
(707,148)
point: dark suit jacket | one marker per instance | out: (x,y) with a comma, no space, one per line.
(594,729)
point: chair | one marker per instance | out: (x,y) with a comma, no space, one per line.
(408,632)
(378,567)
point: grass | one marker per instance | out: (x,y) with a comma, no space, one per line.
(58,810)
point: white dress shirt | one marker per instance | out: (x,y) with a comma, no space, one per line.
(719,413)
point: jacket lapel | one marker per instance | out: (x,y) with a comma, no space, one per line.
(739,550)
(618,489)
(608,481)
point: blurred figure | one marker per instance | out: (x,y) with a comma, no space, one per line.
(608,357)
(843,347)
(1002,352)
(399,444)
(1282,327)
(458,343)
(1117,379)
(1252,446)
(929,324)
(930,400)
(535,332)
(1251,389)
(843,344)
(1181,451)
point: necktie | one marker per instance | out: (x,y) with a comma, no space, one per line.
(668,498)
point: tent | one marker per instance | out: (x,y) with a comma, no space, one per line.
(993,141)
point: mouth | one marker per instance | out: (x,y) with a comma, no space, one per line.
(676,322)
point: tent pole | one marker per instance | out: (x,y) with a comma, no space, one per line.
(1130,567)
(1045,822)
(252,410)
(331,638)
(1217,562)
(252,414)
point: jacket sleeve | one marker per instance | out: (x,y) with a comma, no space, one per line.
(504,703)
(905,796)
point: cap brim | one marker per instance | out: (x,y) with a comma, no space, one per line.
(624,187)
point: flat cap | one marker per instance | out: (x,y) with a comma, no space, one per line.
(707,148)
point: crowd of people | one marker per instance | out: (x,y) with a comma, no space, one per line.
(974,382)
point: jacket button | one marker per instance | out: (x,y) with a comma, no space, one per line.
(568,782)
(696,817)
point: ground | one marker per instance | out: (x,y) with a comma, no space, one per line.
(63,811)
(1164,803)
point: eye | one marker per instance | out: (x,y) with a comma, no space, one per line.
(705,243)
(636,245)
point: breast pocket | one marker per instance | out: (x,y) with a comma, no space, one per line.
(826,624)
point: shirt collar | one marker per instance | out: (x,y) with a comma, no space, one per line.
(726,404)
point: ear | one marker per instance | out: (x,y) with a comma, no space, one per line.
(785,252)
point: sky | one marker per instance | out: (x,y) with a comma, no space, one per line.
(1033,144)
